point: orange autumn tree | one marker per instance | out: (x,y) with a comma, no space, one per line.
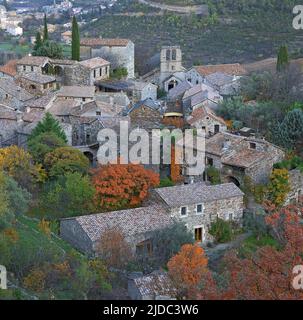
(120,186)
(188,268)
(266,274)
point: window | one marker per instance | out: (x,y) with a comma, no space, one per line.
(209,161)
(183,211)
(174,54)
(144,248)
(252,145)
(100,72)
(32,68)
(199,209)
(83,99)
(94,73)
(45,86)
(173,67)
(167,55)
(217,128)
(98,113)
(24,68)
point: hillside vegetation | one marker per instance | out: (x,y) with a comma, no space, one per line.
(235,31)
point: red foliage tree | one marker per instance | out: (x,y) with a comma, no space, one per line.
(121,186)
(268,273)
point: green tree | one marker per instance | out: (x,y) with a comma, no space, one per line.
(45,30)
(283,59)
(75,40)
(221,230)
(168,241)
(289,132)
(50,49)
(70,195)
(48,125)
(65,159)
(44,143)
(38,43)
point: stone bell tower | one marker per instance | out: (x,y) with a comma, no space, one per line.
(170,61)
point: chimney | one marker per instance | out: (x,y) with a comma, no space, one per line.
(226,144)
(19,117)
(111,100)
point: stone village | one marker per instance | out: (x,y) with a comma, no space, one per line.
(84,98)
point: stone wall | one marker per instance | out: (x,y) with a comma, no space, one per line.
(223,209)
(72,232)
(123,57)
(10,100)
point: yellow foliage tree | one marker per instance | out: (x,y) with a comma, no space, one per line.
(279,186)
(18,164)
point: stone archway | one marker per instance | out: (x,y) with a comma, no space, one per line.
(234,180)
(89,155)
(58,71)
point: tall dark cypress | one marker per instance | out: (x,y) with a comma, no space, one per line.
(283,59)
(45,32)
(75,40)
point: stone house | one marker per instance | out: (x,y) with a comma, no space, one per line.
(13,95)
(225,84)
(201,94)
(9,70)
(66,37)
(37,83)
(145,114)
(119,52)
(237,156)
(204,118)
(136,225)
(99,69)
(198,205)
(136,90)
(154,286)
(78,93)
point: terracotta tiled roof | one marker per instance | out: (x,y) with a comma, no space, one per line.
(202,112)
(33,61)
(11,88)
(231,69)
(95,42)
(77,91)
(129,222)
(244,158)
(10,68)
(94,63)
(197,193)
(155,284)
(38,77)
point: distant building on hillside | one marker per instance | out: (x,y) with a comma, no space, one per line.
(119,52)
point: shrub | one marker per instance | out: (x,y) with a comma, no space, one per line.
(222,231)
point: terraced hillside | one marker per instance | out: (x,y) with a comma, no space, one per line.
(234,32)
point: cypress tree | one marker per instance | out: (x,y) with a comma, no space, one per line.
(45,32)
(75,40)
(38,43)
(283,59)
